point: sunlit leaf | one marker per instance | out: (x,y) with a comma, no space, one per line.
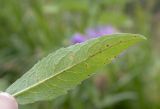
(62,70)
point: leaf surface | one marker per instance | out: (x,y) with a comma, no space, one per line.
(67,67)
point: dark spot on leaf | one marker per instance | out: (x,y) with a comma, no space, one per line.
(100,51)
(107,45)
(93,55)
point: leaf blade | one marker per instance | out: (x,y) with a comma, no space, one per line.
(67,67)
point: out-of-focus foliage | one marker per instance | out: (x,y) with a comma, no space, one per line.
(30,29)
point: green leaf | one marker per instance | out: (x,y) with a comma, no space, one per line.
(62,70)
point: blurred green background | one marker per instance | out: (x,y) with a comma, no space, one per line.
(30,29)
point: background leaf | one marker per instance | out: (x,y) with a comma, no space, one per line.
(67,67)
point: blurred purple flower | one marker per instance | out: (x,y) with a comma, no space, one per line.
(104,30)
(100,31)
(93,33)
(78,38)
